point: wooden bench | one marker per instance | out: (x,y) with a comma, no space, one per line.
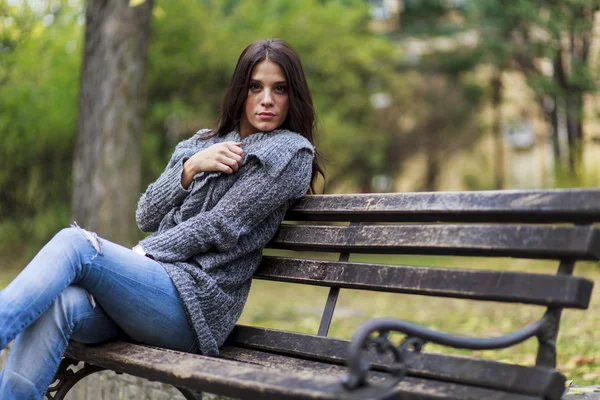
(259,363)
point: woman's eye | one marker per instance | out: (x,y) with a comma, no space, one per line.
(281,89)
(254,86)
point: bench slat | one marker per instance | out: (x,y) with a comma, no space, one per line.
(203,373)
(409,387)
(252,380)
(535,381)
(548,290)
(545,242)
(580,206)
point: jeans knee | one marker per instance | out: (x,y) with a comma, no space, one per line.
(67,239)
(66,234)
(72,303)
(74,299)
(76,238)
(91,237)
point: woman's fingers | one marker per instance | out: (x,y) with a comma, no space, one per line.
(234,156)
(235,147)
(230,162)
(224,168)
(225,157)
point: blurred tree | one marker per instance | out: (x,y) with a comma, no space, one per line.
(106,169)
(441,115)
(549,41)
(198,44)
(39,63)
(494,24)
(191,58)
(562,34)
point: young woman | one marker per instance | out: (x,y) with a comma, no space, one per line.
(218,202)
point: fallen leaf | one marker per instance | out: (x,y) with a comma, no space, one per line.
(583,360)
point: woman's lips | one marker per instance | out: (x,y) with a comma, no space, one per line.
(266,116)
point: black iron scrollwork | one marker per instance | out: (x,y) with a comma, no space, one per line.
(66,378)
(357,380)
(357,384)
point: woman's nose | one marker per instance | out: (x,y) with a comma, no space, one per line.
(267,99)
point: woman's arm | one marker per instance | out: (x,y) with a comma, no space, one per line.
(162,195)
(251,199)
(176,182)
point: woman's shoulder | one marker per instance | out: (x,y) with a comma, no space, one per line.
(295,139)
(278,143)
(205,136)
(276,149)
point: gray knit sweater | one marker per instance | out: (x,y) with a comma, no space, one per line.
(210,237)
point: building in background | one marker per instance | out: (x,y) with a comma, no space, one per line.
(528,158)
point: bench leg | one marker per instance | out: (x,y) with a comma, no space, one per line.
(547,336)
(65,378)
(546,356)
(189,394)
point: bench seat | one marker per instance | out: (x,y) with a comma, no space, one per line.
(252,374)
(260,363)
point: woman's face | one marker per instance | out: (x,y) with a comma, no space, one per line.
(267,103)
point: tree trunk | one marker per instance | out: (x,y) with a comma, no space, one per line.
(106,168)
(497,130)
(432,172)
(575,129)
(363,176)
(553,119)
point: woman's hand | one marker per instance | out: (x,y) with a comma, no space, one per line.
(225,157)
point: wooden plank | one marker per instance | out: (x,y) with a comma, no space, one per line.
(535,381)
(408,388)
(575,392)
(547,290)
(251,380)
(581,206)
(206,374)
(550,242)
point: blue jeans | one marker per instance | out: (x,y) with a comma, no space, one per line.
(89,290)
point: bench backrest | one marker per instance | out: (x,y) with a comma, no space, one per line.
(548,224)
(541,224)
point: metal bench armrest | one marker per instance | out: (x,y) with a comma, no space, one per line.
(416,337)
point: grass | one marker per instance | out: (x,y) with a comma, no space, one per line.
(298,308)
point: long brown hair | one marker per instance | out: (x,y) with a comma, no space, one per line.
(301,113)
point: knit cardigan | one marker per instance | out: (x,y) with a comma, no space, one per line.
(209,238)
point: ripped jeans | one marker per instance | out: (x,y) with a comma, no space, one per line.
(90,290)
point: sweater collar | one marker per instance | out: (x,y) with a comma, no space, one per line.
(234,135)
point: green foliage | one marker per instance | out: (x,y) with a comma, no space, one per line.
(564,178)
(520,31)
(39,67)
(192,54)
(452,63)
(442,105)
(549,42)
(196,47)
(431,17)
